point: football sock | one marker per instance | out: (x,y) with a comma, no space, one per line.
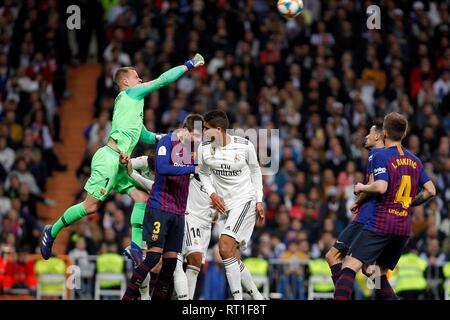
(139,275)
(71,215)
(191,275)
(162,289)
(233,274)
(385,292)
(137,218)
(344,285)
(247,283)
(153,278)
(144,289)
(335,272)
(180,282)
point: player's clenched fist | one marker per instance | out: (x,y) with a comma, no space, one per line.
(358,188)
(218,203)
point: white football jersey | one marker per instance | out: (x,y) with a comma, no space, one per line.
(234,168)
(199,203)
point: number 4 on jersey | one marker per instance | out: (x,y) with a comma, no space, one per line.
(403,195)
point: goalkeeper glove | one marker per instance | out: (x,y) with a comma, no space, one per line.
(195,62)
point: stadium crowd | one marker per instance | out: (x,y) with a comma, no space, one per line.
(322,79)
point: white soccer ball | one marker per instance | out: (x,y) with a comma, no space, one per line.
(290,8)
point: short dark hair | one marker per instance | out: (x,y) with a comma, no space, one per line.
(395,125)
(120,73)
(378,125)
(190,120)
(217,119)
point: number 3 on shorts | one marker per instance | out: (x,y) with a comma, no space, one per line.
(157,226)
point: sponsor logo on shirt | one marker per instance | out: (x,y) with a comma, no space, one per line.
(379,171)
(225,170)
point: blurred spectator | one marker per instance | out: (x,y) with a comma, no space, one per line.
(19,274)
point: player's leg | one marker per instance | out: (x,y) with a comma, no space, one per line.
(345,282)
(126,185)
(196,245)
(229,242)
(388,259)
(102,179)
(180,279)
(244,234)
(165,278)
(154,234)
(172,247)
(194,264)
(185,282)
(337,253)
(365,249)
(149,283)
(333,257)
(227,247)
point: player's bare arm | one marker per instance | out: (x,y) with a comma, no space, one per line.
(428,192)
(378,187)
(217,202)
(256,177)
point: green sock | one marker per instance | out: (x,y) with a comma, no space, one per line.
(137,219)
(71,215)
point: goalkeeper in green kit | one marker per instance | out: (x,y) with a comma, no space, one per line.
(107,171)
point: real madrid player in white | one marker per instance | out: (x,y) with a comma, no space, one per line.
(236,192)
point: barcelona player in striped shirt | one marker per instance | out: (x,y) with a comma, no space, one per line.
(398,176)
(163,227)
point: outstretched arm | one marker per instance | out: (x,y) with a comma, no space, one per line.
(141,90)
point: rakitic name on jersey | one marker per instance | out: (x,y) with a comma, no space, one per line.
(405,162)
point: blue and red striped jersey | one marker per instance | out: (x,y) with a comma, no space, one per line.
(368,207)
(173,167)
(404,173)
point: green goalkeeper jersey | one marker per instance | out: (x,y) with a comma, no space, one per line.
(127,121)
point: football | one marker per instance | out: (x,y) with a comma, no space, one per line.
(290,8)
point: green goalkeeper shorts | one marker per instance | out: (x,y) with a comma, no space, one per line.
(108,174)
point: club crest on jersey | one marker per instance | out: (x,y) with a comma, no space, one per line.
(154,237)
(237,158)
(102,191)
(162,151)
